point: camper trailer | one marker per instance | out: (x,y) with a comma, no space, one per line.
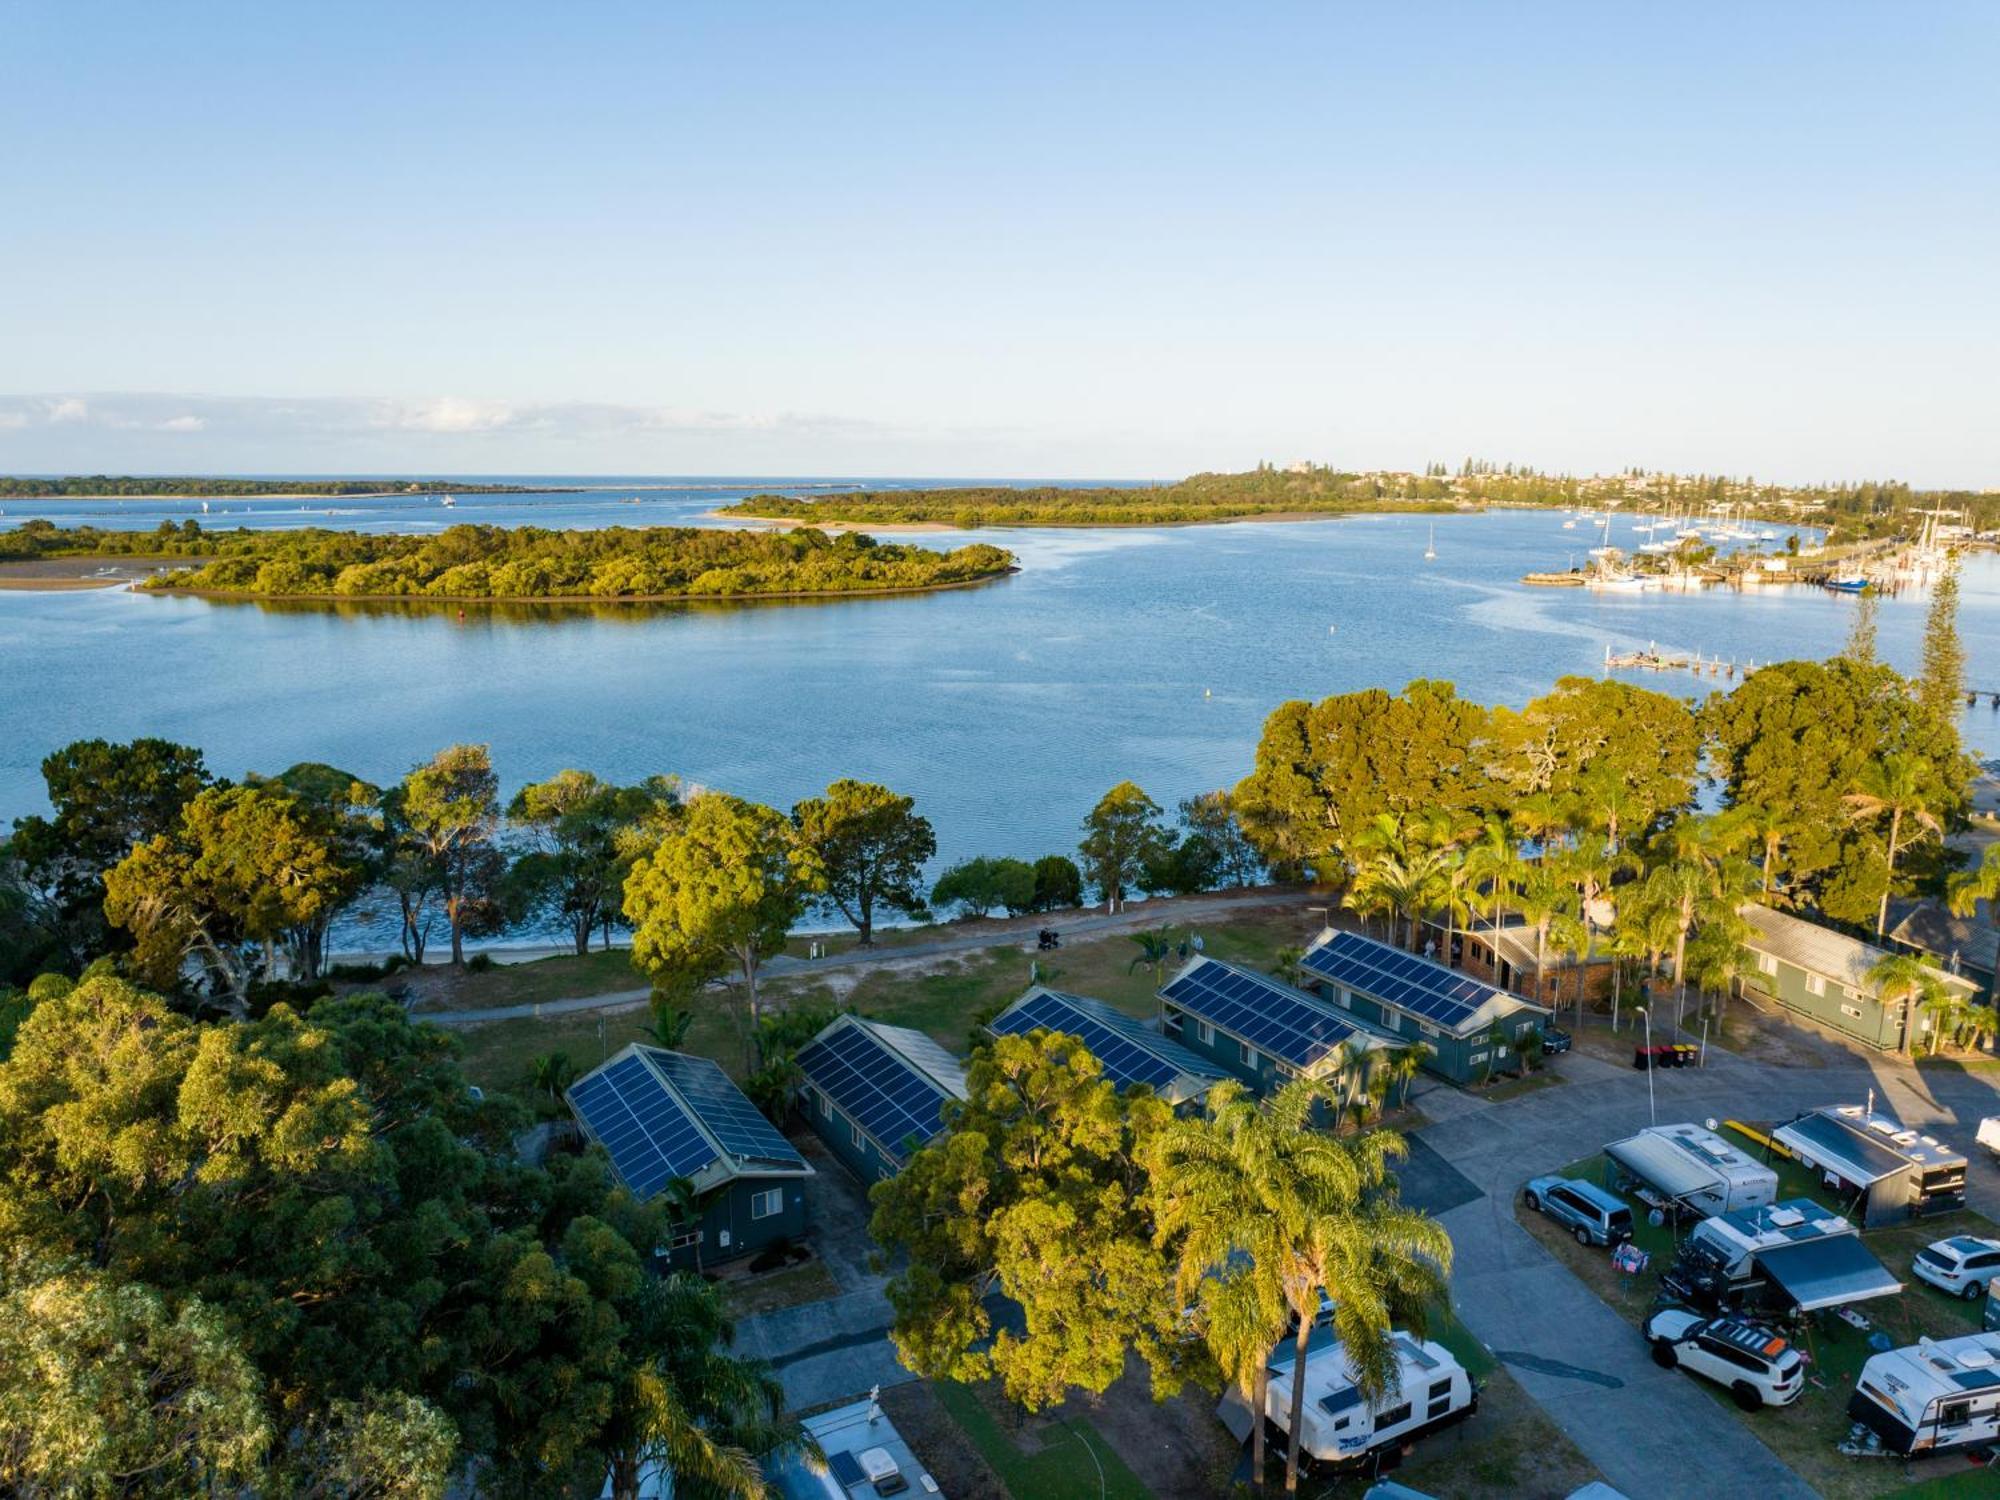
(1933,1396)
(1681,1168)
(1895,1174)
(1787,1255)
(1343,1429)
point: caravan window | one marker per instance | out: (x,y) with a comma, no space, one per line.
(1954,1413)
(1395,1416)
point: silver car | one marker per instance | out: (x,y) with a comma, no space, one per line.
(1594,1216)
(1963,1265)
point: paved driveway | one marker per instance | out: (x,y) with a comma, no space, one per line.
(1650,1431)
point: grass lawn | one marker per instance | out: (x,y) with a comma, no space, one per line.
(792,1287)
(1514,1088)
(1056,1469)
(532,983)
(1805,1433)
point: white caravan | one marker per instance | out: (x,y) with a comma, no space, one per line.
(1934,1396)
(1344,1429)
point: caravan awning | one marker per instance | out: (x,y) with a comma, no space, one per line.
(1659,1163)
(1829,1272)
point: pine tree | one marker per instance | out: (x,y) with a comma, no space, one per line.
(1941,688)
(1860,647)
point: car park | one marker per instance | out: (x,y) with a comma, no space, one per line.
(1759,1367)
(1594,1216)
(1963,1265)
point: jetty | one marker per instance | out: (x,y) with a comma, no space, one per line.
(1653,659)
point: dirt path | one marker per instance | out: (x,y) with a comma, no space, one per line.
(1015,932)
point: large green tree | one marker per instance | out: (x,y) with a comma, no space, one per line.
(577,831)
(1613,756)
(1941,678)
(1902,796)
(1122,838)
(346,813)
(245,867)
(871,847)
(1035,1192)
(721,888)
(446,816)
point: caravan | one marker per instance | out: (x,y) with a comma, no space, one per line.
(1786,1255)
(1342,1428)
(1932,1397)
(1676,1167)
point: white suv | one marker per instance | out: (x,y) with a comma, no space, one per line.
(1962,1265)
(1759,1367)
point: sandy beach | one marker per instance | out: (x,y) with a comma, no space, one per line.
(57,574)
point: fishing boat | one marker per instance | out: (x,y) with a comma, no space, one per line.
(1431,547)
(1847,585)
(1617,583)
(447,501)
(1570,525)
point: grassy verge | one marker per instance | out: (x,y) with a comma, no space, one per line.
(1805,1433)
(536,982)
(792,1287)
(1073,1463)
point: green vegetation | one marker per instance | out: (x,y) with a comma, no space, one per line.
(91,486)
(1055,1471)
(1313,489)
(521,563)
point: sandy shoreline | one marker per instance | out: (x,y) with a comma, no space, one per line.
(786,523)
(64,574)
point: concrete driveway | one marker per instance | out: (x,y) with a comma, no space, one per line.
(1650,1431)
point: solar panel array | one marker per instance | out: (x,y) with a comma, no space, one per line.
(873,1086)
(730,1117)
(1439,995)
(1271,1016)
(1125,1061)
(651,1138)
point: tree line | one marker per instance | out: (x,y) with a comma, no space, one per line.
(89,486)
(515,563)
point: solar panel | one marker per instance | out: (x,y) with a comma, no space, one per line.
(1419,985)
(1125,1061)
(874,1086)
(650,1137)
(1274,1017)
(729,1116)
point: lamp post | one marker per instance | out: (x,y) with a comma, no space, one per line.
(1652,1112)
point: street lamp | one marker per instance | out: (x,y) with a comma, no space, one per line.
(1652,1111)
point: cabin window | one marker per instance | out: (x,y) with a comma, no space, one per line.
(1395,1416)
(1249,1054)
(1440,1388)
(1476,1057)
(1852,1012)
(1766,964)
(1438,1407)
(1205,1032)
(860,1141)
(825,1108)
(767,1204)
(1815,985)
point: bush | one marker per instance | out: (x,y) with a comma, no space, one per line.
(978,885)
(1058,883)
(479,963)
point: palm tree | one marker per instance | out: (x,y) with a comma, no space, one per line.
(1946,1012)
(1155,948)
(1254,1191)
(1905,977)
(1289,965)
(1898,786)
(1965,891)
(1357,1060)
(1492,868)
(1540,817)
(1496,1040)
(1770,828)
(1541,896)
(1242,1317)
(1407,884)
(550,1073)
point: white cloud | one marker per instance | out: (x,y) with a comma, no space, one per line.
(184,424)
(66,409)
(448,414)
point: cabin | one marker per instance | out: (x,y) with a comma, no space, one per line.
(1686,1168)
(866,1458)
(1967,946)
(1932,1396)
(1472,1028)
(1894,1174)
(875,1093)
(1505,956)
(666,1117)
(1823,975)
(1130,1051)
(1262,1030)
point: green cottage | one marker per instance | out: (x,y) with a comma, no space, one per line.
(667,1116)
(1474,1029)
(876,1093)
(1823,975)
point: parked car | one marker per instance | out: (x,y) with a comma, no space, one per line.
(1594,1216)
(1963,1265)
(1555,1041)
(1759,1366)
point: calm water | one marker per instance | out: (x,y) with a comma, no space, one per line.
(1006,710)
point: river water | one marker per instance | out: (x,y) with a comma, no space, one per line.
(1006,709)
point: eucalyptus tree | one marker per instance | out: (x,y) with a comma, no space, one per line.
(447,815)
(871,846)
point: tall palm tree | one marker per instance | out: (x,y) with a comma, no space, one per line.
(1947,1013)
(1493,869)
(1899,787)
(1543,895)
(550,1073)
(1905,977)
(1155,948)
(1242,1317)
(1357,1061)
(1770,828)
(1408,885)
(1290,965)
(1254,1190)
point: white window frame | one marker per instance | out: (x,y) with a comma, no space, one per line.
(767,1204)
(1204,1033)
(860,1140)
(1852,1012)
(1248,1053)
(1766,964)
(1816,984)
(825,1107)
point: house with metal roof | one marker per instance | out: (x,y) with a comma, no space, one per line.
(1968,945)
(876,1093)
(664,1117)
(1130,1051)
(1894,1173)
(1823,975)
(1472,1028)
(1259,1029)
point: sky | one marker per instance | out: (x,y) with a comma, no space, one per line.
(1076,240)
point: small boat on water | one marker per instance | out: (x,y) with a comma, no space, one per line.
(447,501)
(1569,525)
(1847,585)
(1431,547)
(1617,583)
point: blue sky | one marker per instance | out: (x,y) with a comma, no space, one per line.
(1008,239)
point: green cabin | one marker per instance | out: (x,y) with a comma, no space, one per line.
(1474,1029)
(665,1117)
(876,1093)
(1823,975)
